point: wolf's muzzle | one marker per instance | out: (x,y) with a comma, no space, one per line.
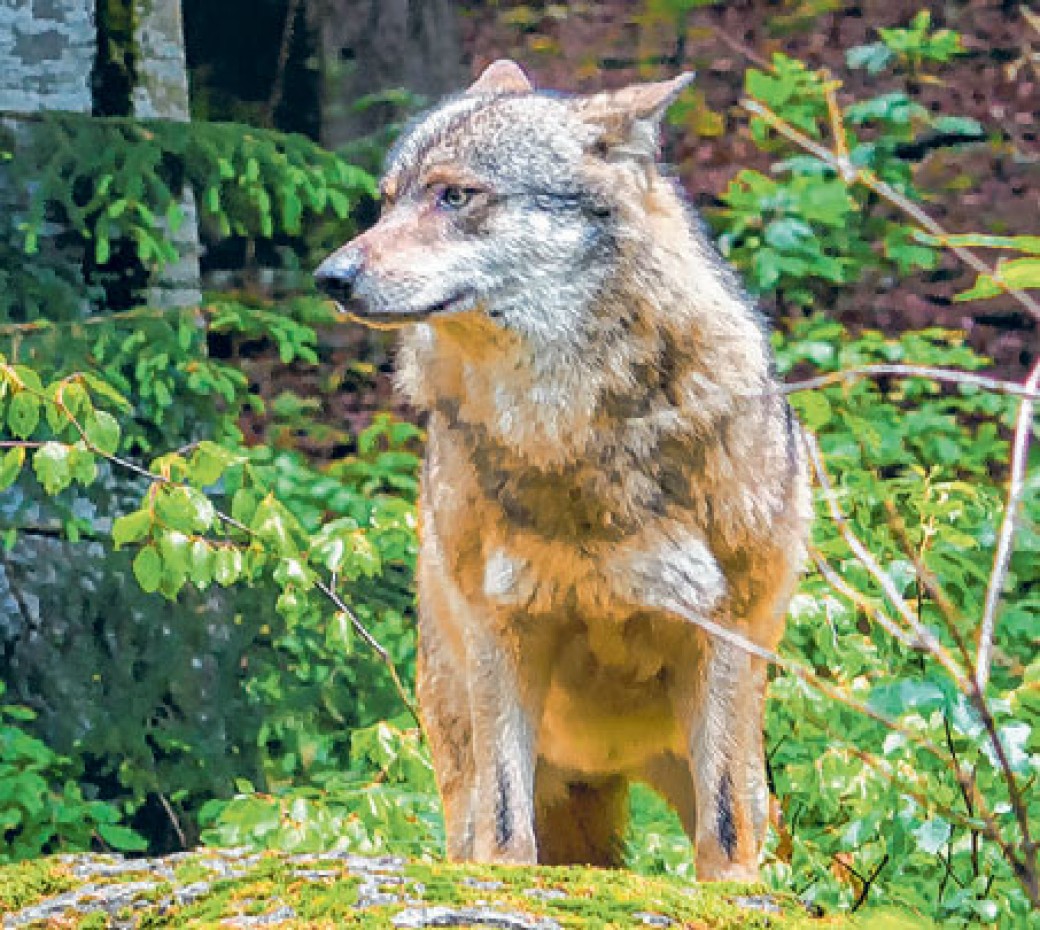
(337,275)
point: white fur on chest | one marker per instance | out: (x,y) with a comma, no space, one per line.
(649,572)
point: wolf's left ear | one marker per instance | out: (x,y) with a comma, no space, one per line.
(628,120)
(502,77)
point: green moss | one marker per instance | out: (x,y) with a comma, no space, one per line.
(591,898)
(328,900)
(604,898)
(190,871)
(27,882)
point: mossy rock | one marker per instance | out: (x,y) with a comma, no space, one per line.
(233,888)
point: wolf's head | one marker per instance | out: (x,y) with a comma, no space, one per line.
(505,203)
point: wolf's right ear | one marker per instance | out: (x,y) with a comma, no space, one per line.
(502,77)
(628,121)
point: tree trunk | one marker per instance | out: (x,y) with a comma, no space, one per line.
(162,91)
(46,53)
(369,47)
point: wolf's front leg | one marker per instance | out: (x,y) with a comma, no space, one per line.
(503,717)
(720,711)
(724,729)
(444,703)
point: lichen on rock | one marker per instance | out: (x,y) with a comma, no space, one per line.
(237,888)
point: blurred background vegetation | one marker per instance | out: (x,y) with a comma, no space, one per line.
(172,676)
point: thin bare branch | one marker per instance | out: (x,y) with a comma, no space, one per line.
(373,644)
(137,313)
(882,619)
(853,174)
(950,375)
(926,578)
(171,814)
(741,48)
(867,560)
(841,142)
(1002,556)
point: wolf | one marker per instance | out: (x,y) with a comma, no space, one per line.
(613,503)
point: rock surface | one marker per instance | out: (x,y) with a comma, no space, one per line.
(239,889)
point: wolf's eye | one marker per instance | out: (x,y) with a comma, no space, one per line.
(454,197)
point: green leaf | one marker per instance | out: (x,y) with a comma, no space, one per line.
(185,509)
(933,835)
(272,523)
(203,513)
(1030,244)
(814,409)
(51,464)
(1019,274)
(133,527)
(209,462)
(103,432)
(243,505)
(895,107)
(102,388)
(11,466)
(76,400)
(83,464)
(874,57)
(959,126)
(148,569)
(339,634)
(201,563)
(23,414)
(898,697)
(1014,737)
(227,565)
(121,838)
(174,548)
(788,234)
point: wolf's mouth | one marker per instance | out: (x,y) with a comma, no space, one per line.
(459,303)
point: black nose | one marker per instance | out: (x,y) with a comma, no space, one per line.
(338,274)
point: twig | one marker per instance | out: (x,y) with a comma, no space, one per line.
(927,580)
(841,142)
(374,645)
(867,560)
(966,795)
(741,48)
(851,174)
(136,313)
(860,600)
(866,885)
(951,375)
(173,820)
(1002,555)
